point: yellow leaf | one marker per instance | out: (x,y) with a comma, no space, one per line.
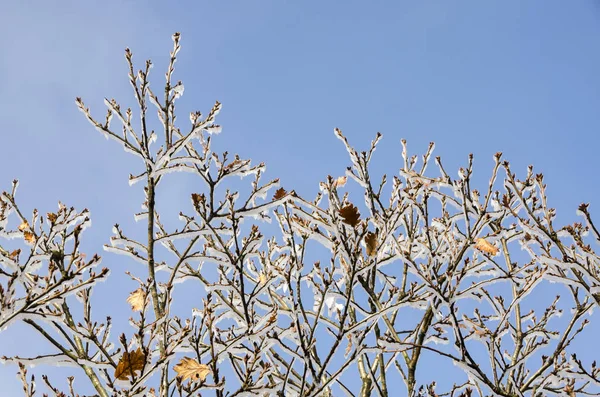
(29,237)
(279,194)
(350,215)
(371,243)
(483,245)
(188,368)
(340,181)
(24,226)
(129,363)
(262,278)
(136,299)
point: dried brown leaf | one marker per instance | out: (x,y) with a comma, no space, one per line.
(15,254)
(129,363)
(24,226)
(483,245)
(197,199)
(279,194)
(350,215)
(371,243)
(188,368)
(29,237)
(136,299)
(52,217)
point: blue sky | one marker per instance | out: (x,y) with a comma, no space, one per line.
(518,77)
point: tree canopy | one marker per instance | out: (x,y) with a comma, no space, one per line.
(348,295)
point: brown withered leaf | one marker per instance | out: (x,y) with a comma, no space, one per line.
(23,226)
(279,194)
(371,243)
(129,363)
(350,215)
(188,368)
(52,217)
(340,181)
(482,245)
(136,299)
(197,199)
(29,237)
(15,254)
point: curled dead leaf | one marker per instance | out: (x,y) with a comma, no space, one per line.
(52,217)
(279,194)
(29,237)
(485,246)
(198,199)
(188,368)
(371,243)
(350,215)
(129,363)
(136,299)
(23,226)
(15,254)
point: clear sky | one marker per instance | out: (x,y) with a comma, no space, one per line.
(473,76)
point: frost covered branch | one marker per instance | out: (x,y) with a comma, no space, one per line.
(355,291)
